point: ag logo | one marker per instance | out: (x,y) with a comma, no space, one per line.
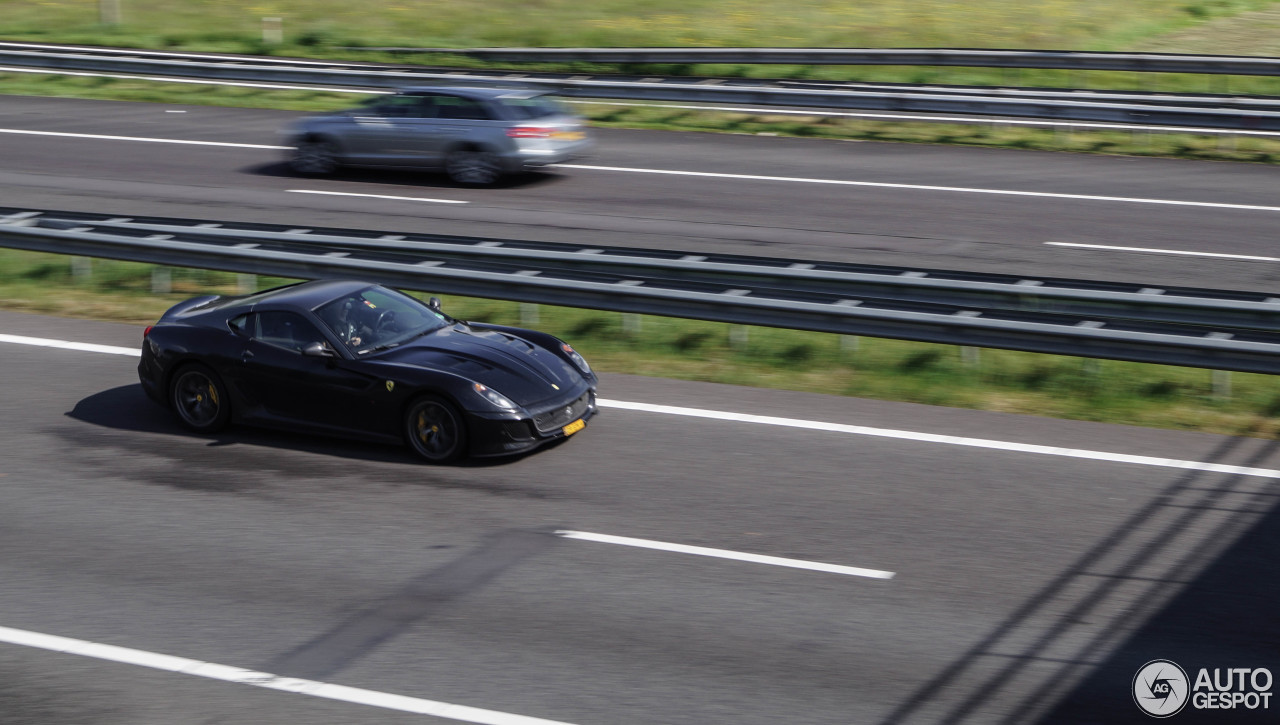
(1160,688)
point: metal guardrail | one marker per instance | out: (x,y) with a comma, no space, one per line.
(679,90)
(1199,328)
(970,58)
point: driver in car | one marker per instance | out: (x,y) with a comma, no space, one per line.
(345,319)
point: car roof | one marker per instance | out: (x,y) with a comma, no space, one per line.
(307,295)
(481,92)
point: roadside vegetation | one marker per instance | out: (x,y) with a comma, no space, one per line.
(999,380)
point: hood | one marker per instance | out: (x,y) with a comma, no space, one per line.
(518,369)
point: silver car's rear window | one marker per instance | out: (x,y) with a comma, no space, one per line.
(522,109)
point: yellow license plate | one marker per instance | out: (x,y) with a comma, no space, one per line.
(569,135)
(574,427)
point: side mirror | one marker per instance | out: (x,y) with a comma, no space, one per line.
(434,303)
(317,349)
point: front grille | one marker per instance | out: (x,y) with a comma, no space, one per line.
(562,415)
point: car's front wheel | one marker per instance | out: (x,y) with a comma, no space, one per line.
(200,399)
(315,157)
(473,167)
(435,430)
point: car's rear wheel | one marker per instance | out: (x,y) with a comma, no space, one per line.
(200,399)
(473,167)
(315,157)
(435,430)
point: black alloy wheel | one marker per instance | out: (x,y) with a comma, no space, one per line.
(315,157)
(472,168)
(199,399)
(435,430)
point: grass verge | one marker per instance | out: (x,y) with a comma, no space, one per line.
(999,380)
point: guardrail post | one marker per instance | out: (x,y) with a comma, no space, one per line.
(161,281)
(1221,384)
(528,314)
(1090,366)
(631,323)
(81,269)
(969,355)
(109,12)
(247,283)
(272,31)
(848,344)
(738,336)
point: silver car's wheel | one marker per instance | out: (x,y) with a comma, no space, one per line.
(474,168)
(315,158)
(435,430)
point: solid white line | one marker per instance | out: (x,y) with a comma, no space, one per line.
(811,425)
(101,137)
(726,554)
(1218,255)
(375,196)
(65,345)
(922,187)
(241,676)
(946,439)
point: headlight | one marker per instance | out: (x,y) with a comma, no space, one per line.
(576,358)
(494,397)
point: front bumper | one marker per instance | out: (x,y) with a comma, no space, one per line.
(499,437)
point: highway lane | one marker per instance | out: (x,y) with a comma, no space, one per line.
(956,227)
(352,564)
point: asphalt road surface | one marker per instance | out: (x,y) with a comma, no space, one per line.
(1036,564)
(930,206)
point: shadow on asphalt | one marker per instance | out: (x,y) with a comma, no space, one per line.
(407,177)
(127,408)
(1189,577)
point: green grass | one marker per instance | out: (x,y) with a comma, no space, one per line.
(236,25)
(1065,387)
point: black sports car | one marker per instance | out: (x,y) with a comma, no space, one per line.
(359,360)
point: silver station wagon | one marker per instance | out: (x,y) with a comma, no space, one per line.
(476,135)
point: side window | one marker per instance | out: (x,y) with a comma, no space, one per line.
(239,325)
(399,107)
(285,329)
(463,109)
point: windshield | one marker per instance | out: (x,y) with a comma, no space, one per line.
(377,318)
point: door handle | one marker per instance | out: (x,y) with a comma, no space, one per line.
(246,355)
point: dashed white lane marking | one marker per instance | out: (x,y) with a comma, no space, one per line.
(810,425)
(922,187)
(726,554)
(742,177)
(1148,250)
(375,196)
(103,137)
(241,676)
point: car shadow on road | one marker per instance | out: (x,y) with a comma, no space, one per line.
(406,177)
(127,408)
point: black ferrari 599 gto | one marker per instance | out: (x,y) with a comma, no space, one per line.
(358,360)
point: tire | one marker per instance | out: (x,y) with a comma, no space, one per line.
(315,157)
(473,168)
(435,430)
(199,399)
